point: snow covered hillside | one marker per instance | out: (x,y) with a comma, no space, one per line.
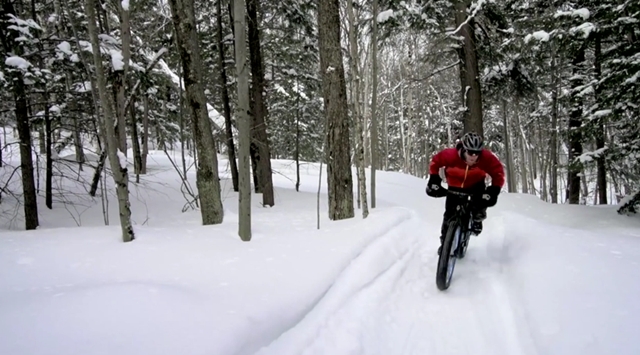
(541,278)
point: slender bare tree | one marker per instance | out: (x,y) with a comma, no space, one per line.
(231,150)
(357,116)
(261,152)
(244,121)
(119,169)
(375,152)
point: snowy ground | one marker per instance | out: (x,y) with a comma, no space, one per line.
(541,279)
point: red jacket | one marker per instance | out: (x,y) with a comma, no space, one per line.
(461,175)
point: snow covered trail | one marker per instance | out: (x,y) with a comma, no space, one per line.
(560,283)
(386,302)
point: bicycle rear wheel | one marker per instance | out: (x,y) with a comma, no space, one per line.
(447,259)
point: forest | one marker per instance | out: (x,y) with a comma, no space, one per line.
(552,86)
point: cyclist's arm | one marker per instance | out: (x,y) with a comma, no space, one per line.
(437,162)
(495,169)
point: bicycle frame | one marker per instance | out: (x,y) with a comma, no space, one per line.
(463,219)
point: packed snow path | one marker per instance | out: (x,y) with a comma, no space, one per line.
(514,293)
(386,302)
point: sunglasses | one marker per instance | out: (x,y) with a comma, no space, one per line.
(473,152)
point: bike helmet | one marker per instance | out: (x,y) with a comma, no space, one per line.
(472,141)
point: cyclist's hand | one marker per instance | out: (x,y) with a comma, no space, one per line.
(434,187)
(490,196)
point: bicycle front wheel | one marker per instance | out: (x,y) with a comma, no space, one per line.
(447,259)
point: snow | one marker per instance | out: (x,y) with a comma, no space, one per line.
(216,118)
(541,278)
(585,29)
(601,113)
(125,5)
(82,87)
(24,23)
(633,79)
(18,62)
(582,12)
(65,47)
(385,15)
(541,36)
(591,156)
(117,59)
(122,159)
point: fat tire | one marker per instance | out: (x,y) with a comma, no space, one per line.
(442,281)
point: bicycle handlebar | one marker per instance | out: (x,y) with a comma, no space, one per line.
(458,193)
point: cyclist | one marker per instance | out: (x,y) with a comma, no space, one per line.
(466,167)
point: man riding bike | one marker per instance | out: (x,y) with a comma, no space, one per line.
(466,168)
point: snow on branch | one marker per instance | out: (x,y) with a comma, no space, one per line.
(630,204)
(152,63)
(384,16)
(476,7)
(541,36)
(17,62)
(583,13)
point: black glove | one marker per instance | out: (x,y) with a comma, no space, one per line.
(434,187)
(490,195)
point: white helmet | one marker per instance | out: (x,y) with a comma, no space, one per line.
(472,141)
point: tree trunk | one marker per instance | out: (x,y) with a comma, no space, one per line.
(183,141)
(339,179)
(231,150)
(260,140)
(375,159)
(182,13)
(49,160)
(243,121)
(553,149)
(77,140)
(357,118)
(409,115)
(575,134)
(22,118)
(119,170)
(511,177)
(386,139)
(135,143)
(600,135)
(521,147)
(401,110)
(471,89)
(121,77)
(145,134)
(98,172)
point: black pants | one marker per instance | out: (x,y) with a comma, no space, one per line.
(478,205)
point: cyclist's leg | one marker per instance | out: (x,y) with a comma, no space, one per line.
(449,210)
(478,208)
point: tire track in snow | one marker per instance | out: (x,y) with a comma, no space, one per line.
(519,339)
(474,317)
(379,262)
(491,259)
